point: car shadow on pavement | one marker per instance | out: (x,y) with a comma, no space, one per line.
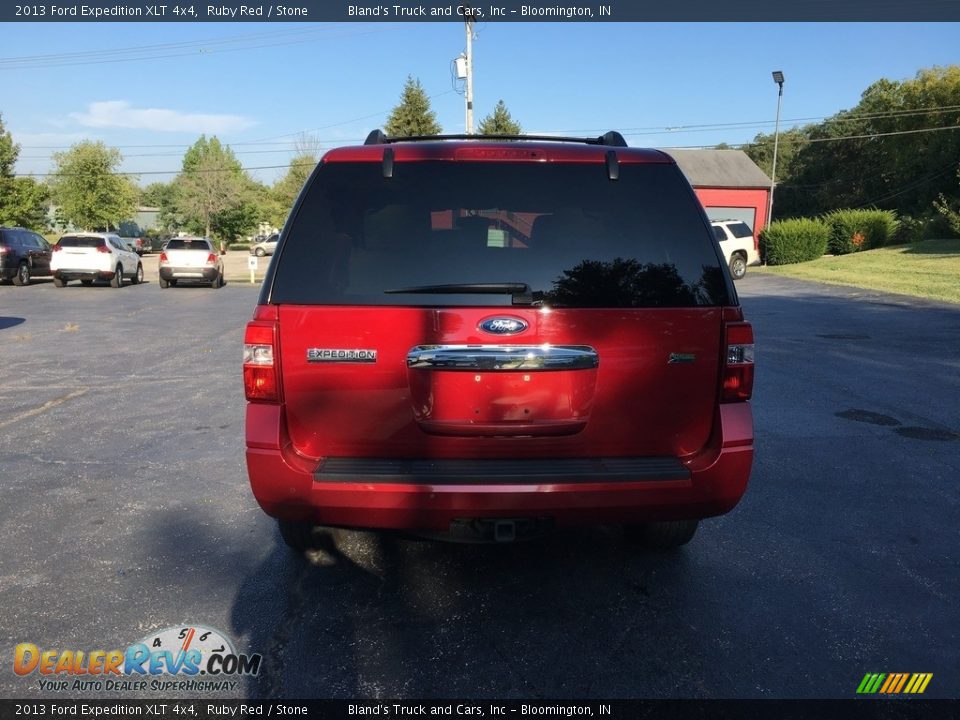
(387,615)
(9,322)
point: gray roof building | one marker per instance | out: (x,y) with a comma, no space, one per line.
(719,168)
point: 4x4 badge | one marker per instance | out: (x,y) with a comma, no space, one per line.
(503,325)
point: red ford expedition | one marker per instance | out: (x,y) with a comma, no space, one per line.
(491,338)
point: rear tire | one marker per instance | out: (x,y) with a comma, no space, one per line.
(260,252)
(216,282)
(164,284)
(301,536)
(662,535)
(60,282)
(738,266)
(117,280)
(87,282)
(138,276)
(23,275)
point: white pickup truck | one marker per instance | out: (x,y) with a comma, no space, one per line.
(192,259)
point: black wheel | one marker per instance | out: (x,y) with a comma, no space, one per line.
(164,284)
(60,282)
(738,266)
(138,276)
(117,280)
(23,275)
(216,282)
(301,536)
(663,535)
(87,282)
(259,252)
(173,283)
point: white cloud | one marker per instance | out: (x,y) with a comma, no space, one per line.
(120,114)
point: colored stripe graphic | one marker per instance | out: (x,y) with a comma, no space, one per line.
(894,683)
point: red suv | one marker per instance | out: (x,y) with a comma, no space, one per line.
(491,338)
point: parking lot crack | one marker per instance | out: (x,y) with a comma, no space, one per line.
(49,405)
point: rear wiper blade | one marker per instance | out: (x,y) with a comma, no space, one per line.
(521,292)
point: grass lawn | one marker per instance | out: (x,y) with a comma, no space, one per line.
(928,269)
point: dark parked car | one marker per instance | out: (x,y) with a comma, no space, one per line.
(489,339)
(23,255)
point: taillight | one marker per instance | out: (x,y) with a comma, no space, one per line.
(3,249)
(163,257)
(103,249)
(738,362)
(211,259)
(261,369)
(57,248)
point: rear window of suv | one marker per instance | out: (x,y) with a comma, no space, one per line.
(576,238)
(740,230)
(81,242)
(181,244)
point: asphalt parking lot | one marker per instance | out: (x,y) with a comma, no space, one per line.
(126,510)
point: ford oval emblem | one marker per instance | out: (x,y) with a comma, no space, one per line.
(503,325)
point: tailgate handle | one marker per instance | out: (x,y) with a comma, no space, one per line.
(502,358)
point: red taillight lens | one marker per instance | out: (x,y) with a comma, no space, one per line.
(738,363)
(57,248)
(261,370)
(163,257)
(211,259)
(103,249)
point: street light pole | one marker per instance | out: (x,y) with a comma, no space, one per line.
(778,79)
(469,96)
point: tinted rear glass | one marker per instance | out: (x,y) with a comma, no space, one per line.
(181,244)
(740,230)
(575,237)
(81,242)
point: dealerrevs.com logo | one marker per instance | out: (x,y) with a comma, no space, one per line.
(191,658)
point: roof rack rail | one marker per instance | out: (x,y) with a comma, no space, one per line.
(609,139)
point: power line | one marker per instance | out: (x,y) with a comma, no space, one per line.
(272,167)
(173,50)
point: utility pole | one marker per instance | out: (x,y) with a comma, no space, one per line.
(469,98)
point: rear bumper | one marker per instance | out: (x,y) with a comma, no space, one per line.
(200,274)
(83,274)
(291,488)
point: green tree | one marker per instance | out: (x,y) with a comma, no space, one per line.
(499,122)
(893,151)
(413,115)
(163,196)
(87,187)
(23,201)
(9,151)
(284,193)
(949,207)
(212,191)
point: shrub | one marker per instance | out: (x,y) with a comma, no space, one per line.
(855,230)
(238,246)
(793,241)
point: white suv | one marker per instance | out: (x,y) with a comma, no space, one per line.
(94,256)
(738,244)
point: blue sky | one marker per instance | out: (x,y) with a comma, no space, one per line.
(257,86)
